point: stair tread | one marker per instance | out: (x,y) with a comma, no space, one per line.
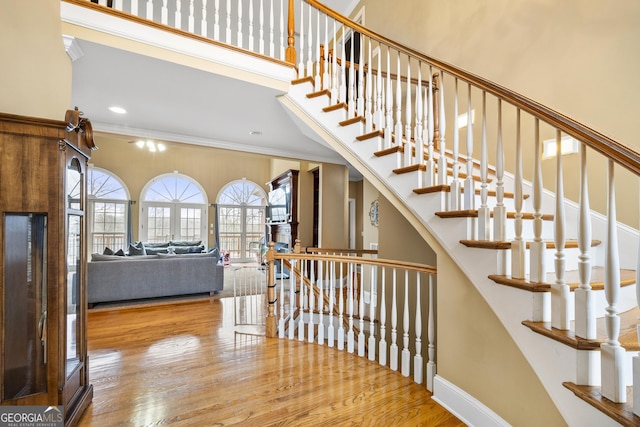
(572,278)
(473,213)
(319,93)
(301,80)
(491,193)
(628,332)
(335,107)
(352,120)
(494,244)
(620,412)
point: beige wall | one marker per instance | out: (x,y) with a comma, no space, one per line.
(35,71)
(334,215)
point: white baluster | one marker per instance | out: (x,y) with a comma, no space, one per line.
(261,29)
(134,7)
(309,45)
(431,166)
(484,215)
(372,316)
(382,344)
(360,91)
(585,303)
(191,21)
(301,70)
(518,245)
(361,336)
(408,152)
(239,33)
(216,20)
(178,15)
(393,349)
(282,32)
(320,304)
(316,73)
(469,187)
(499,211)
(368,109)
(292,298)
(203,21)
(228,31)
(326,82)
(612,353)
(379,114)
(149,10)
(335,87)
(281,323)
(331,337)
(164,13)
(442,126)
(351,104)
(537,265)
(272,45)
(302,304)
(398,105)
(406,354)
(388,131)
(118,4)
(251,40)
(454,194)
(350,333)
(559,290)
(417,358)
(431,337)
(341,313)
(419,126)
(312,299)
(342,97)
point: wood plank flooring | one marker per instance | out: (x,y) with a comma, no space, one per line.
(186,363)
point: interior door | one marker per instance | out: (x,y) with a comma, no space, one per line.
(173,221)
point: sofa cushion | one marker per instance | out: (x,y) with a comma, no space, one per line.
(102,257)
(156,250)
(148,245)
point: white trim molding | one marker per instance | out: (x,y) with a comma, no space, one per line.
(464,406)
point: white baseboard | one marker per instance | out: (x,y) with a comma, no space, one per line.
(464,406)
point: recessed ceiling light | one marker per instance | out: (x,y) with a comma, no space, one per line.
(255,133)
(117,110)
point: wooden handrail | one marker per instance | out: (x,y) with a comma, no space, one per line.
(625,156)
(310,250)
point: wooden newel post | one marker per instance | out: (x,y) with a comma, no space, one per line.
(271,328)
(290,54)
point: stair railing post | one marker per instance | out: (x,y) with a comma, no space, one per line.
(584,297)
(419,160)
(290,54)
(382,344)
(469,188)
(398,128)
(393,349)
(321,306)
(331,332)
(442,127)
(388,130)
(417,358)
(484,214)
(518,244)
(361,334)
(429,107)
(537,264)
(612,353)
(371,345)
(408,150)
(369,102)
(270,321)
(499,211)
(454,195)
(406,354)
(431,337)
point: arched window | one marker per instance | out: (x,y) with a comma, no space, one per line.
(241,219)
(173,207)
(108,211)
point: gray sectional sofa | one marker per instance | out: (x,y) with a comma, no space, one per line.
(119,278)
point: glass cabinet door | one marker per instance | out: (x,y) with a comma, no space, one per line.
(74,227)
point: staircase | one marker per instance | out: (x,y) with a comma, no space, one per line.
(558,276)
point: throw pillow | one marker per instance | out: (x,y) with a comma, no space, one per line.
(120,252)
(195,249)
(107,251)
(214,252)
(185,243)
(136,249)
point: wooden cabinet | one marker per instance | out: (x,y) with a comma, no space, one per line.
(283,208)
(43,359)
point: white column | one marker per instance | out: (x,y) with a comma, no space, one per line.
(393,349)
(178,15)
(361,336)
(281,323)
(292,299)
(371,345)
(331,338)
(191,22)
(302,305)
(321,305)
(442,128)
(611,352)
(431,166)
(350,333)
(500,211)
(203,20)
(398,105)
(164,13)
(431,336)
(406,354)
(341,314)
(388,130)
(311,326)
(228,29)
(408,154)
(368,109)
(518,245)
(216,20)
(149,14)
(261,28)
(239,33)
(382,344)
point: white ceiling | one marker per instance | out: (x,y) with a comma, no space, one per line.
(170,102)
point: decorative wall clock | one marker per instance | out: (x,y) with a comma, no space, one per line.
(373,213)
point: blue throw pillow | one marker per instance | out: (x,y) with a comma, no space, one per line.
(136,249)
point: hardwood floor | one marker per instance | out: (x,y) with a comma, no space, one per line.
(186,363)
